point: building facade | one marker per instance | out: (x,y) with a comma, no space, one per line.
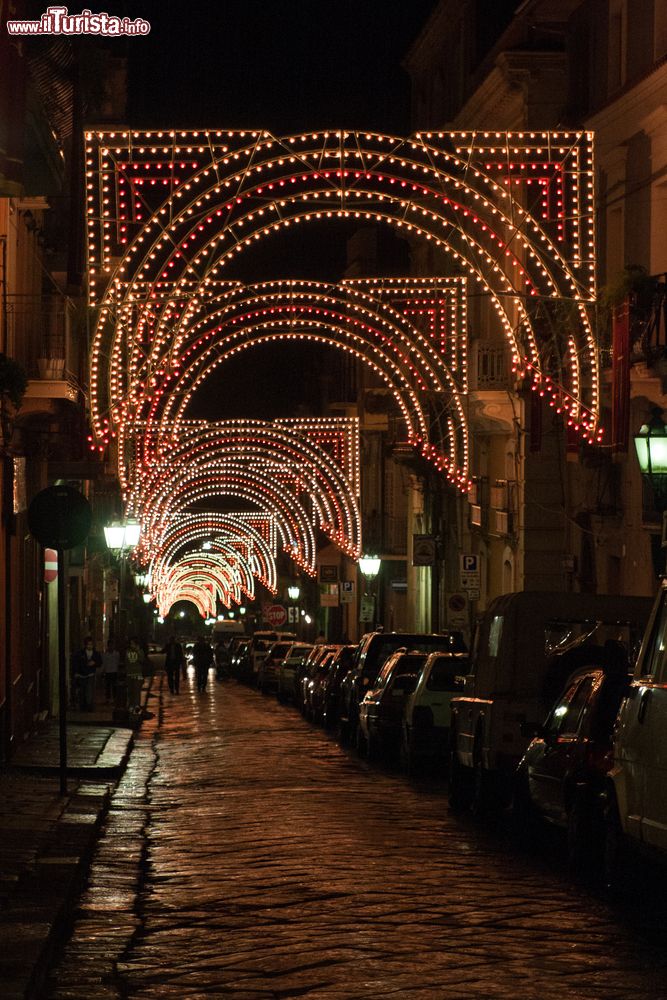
(546,513)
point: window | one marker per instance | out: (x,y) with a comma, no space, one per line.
(577,707)
(653,663)
(495,633)
(443,676)
(567,716)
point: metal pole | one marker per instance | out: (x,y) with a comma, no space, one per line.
(62,673)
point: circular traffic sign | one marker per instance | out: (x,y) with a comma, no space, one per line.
(50,565)
(276,615)
(59,517)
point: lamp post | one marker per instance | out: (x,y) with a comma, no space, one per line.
(651,448)
(294,593)
(121,538)
(370,567)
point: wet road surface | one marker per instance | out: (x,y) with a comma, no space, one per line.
(248,856)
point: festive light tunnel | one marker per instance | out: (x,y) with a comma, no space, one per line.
(168,210)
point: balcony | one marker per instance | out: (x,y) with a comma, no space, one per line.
(491,371)
(39,335)
(503,507)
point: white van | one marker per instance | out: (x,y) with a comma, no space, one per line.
(637,806)
(227,629)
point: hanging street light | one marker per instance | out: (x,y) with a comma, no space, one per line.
(370,566)
(122,535)
(651,448)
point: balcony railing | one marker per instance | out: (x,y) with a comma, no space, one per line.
(39,333)
(491,370)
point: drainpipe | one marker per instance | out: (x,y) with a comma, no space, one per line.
(6,516)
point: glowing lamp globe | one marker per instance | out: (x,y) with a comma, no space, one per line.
(370,565)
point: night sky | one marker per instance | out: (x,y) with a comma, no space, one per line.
(284,66)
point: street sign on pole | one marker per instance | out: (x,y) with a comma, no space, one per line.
(423,550)
(60,517)
(275,615)
(50,565)
(470,575)
(367,608)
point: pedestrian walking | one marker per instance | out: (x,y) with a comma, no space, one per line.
(110,664)
(134,673)
(85,664)
(202,655)
(173,664)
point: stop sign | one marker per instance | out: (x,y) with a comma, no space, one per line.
(275,615)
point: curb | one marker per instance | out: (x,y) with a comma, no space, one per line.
(39,919)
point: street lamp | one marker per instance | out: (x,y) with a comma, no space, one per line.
(370,567)
(121,537)
(651,448)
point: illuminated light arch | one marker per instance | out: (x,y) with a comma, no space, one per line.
(409,362)
(232,454)
(212,578)
(224,559)
(235,481)
(174,205)
(234,531)
(356,322)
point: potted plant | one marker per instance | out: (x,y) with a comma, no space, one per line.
(13,384)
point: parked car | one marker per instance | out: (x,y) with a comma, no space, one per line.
(257,649)
(267,676)
(305,671)
(238,652)
(426,721)
(563,773)
(371,653)
(382,707)
(288,668)
(314,687)
(636,808)
(338,668)
(526,646)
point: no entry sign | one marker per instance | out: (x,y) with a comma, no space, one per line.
(50,565)
(275,615)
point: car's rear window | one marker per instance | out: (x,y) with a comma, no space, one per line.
(444,673)
(383,646)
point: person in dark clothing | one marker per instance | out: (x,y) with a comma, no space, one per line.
(85,664)
(202,655)
(174,660)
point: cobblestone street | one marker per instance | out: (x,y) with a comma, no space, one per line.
(247,855)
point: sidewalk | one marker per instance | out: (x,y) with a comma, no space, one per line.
(47,841)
